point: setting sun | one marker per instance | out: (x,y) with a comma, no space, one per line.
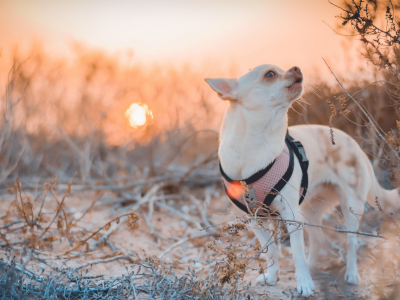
(138,114)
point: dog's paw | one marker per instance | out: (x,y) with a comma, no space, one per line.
(352,278)
(305,286)
(268,278)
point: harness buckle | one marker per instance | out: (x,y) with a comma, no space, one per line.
(301,150)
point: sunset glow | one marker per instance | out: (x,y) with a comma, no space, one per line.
(138,114)
(174,32)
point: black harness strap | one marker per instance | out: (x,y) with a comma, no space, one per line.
(253,178)
(300,152)
(294,147)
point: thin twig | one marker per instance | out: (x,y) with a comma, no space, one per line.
(212,156)
(201,208)
(83,242)
(11,223)
(109,232)
(177,213)
(57,212)
(182,241)
(90,207)
(365,112)
(102,261)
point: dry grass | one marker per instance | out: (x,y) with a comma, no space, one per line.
(83,195)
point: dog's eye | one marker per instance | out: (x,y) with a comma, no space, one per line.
(270,74)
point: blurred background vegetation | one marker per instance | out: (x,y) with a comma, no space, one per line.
(61,115)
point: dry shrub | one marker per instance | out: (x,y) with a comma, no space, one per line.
(145,278)
(37,230)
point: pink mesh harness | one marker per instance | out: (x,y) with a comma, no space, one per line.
(256,193)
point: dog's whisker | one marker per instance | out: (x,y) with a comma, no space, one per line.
(311,84)
(302,100)
(296,111)
(299,102)
(307,85)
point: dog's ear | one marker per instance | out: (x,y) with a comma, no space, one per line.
(226,88)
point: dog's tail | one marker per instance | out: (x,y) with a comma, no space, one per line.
(388,200)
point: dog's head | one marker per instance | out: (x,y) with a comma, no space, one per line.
(266,88)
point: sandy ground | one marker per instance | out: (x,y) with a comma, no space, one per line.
(168,229)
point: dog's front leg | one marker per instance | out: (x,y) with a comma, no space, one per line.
(305,283)
(271,254)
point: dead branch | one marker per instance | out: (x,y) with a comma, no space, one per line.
(83,242)
(212,156)
(113,228)
(45,191)
(202,208)
(11,223)
(303,224)
(182,241)
(60,207)
(97,198)
(102,261)
(177,213)
(146,197)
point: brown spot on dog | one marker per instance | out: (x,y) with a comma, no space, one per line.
(334,154)
(352,162)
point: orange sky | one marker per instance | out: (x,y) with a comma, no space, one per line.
(245,32)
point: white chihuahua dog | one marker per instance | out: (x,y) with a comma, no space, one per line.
(252,136)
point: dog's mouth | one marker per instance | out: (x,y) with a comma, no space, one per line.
(296,84)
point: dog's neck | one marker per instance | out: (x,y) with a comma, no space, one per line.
(249,142)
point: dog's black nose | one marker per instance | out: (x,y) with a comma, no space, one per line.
(296,70)
(298,76)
